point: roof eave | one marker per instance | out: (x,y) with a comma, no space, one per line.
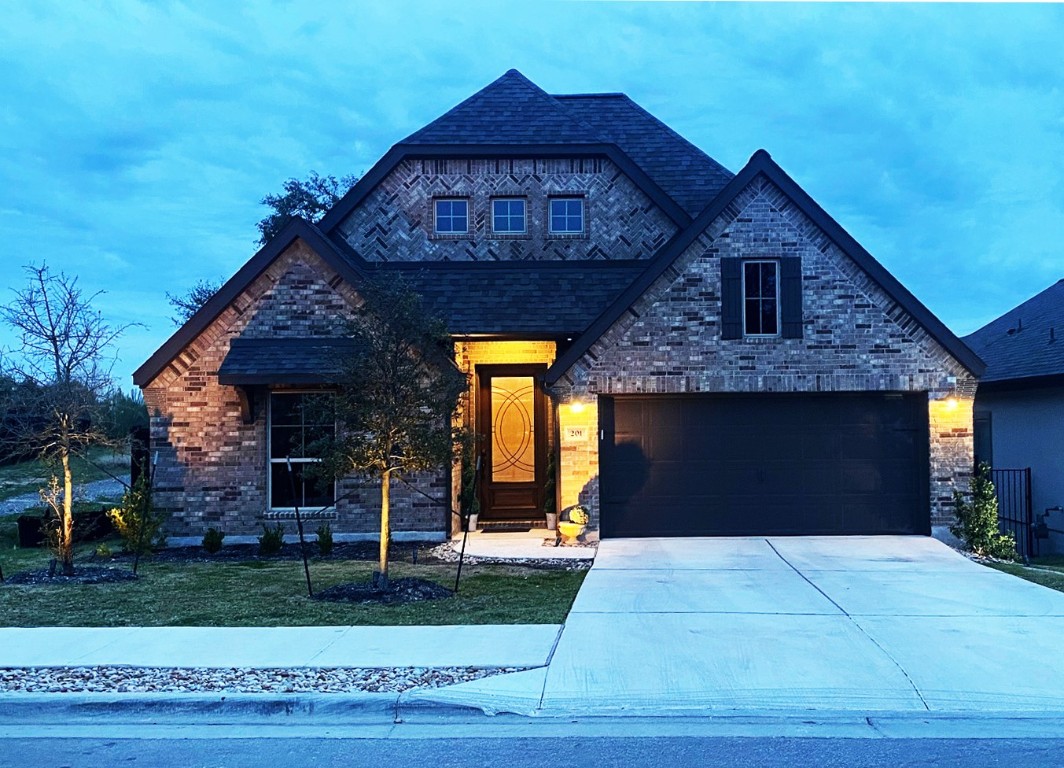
(762,163)
(401,152)
(297,228)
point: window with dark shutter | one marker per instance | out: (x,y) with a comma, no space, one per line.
(761,297)
(731,299)
(791,296)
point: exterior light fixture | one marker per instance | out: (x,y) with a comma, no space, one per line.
(576,406)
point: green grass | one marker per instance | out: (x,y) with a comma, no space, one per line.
(1049,571)
(273,593)
(30,476)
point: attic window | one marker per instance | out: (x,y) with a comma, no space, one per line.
(567,216)
(508,216)
(761,298)
(452,216)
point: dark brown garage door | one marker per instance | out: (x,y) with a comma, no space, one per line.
(744,465)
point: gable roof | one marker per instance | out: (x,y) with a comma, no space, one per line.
(1027,342)
(762,163)
(513,117)
(297,228)
(285,360)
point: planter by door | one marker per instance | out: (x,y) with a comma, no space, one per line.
(511,423)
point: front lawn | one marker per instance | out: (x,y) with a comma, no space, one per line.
(1048,571)
(272,592)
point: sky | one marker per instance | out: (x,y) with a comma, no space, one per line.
(137,139)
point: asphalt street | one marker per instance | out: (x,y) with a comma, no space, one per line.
(340,747)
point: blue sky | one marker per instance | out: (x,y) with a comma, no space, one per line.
(136,139)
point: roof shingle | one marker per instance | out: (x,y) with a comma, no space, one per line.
(1026,341)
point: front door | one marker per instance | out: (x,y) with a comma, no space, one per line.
(511,427)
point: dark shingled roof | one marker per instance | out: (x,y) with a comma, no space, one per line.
(512,298)
(1025,342)
(511,110)
(284,361)
(687,174)
(514,111)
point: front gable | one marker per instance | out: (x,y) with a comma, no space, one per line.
(858,328)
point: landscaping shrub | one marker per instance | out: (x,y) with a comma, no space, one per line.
(271,540)
(977,519)
(136,521)
(325,539)
(212,540)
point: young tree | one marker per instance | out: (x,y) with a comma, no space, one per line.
(66,370)
(188,304)
(398,398)
(310,198)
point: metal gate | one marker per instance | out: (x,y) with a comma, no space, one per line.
(1013,487)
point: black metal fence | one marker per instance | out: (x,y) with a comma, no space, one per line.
(1013,488)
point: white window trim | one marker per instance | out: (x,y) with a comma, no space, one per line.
(550,216)
(435,216)
(270,461)
(524,217)
(779,299)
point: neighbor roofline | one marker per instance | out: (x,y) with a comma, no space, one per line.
(762,163)
(296,229)
(400,152)
(1021,382)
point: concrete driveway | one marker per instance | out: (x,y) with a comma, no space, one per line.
(832,624)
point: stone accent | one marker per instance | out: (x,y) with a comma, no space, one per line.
(395,222)
(855,337)
(212,466)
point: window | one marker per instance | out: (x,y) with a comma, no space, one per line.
(761,298)
(452,217)
(508,216)
(567,216)
(298,421)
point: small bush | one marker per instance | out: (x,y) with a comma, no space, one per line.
(977,519)
(103,551)
(212,540)
(136,521)
(325,539)
(271,540)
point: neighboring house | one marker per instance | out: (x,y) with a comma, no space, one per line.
(1019,407)
(704,353)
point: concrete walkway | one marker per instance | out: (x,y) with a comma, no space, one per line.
(856,624)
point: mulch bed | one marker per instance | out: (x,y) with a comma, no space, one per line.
(83,574)
(356,550)
(407,590)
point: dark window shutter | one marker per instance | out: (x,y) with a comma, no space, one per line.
(791,296)
(731,299)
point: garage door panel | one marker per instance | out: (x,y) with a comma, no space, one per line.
(764,464)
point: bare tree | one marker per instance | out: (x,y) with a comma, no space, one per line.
(65,346)
(395,411)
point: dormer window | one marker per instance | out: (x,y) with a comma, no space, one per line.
(508,216)
(452,216)
(566,216)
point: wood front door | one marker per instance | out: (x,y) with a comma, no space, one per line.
(511,427)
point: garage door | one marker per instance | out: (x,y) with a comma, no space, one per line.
(743,465)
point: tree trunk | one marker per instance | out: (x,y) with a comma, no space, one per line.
(66,518)
(386,533)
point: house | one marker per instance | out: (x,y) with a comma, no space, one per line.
(702,352)
(1019,406)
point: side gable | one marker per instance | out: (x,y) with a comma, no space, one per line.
(706,234)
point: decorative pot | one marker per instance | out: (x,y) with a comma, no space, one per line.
(472,526)
(552,521)
(571,531)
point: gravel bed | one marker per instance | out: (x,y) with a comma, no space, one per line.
(235,680)
(445,553)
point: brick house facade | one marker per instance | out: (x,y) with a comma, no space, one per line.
(673,287)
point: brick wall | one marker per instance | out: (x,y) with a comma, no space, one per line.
(212,466)
(395,222)
(855,337)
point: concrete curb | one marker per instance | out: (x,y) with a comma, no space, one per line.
(218,708)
